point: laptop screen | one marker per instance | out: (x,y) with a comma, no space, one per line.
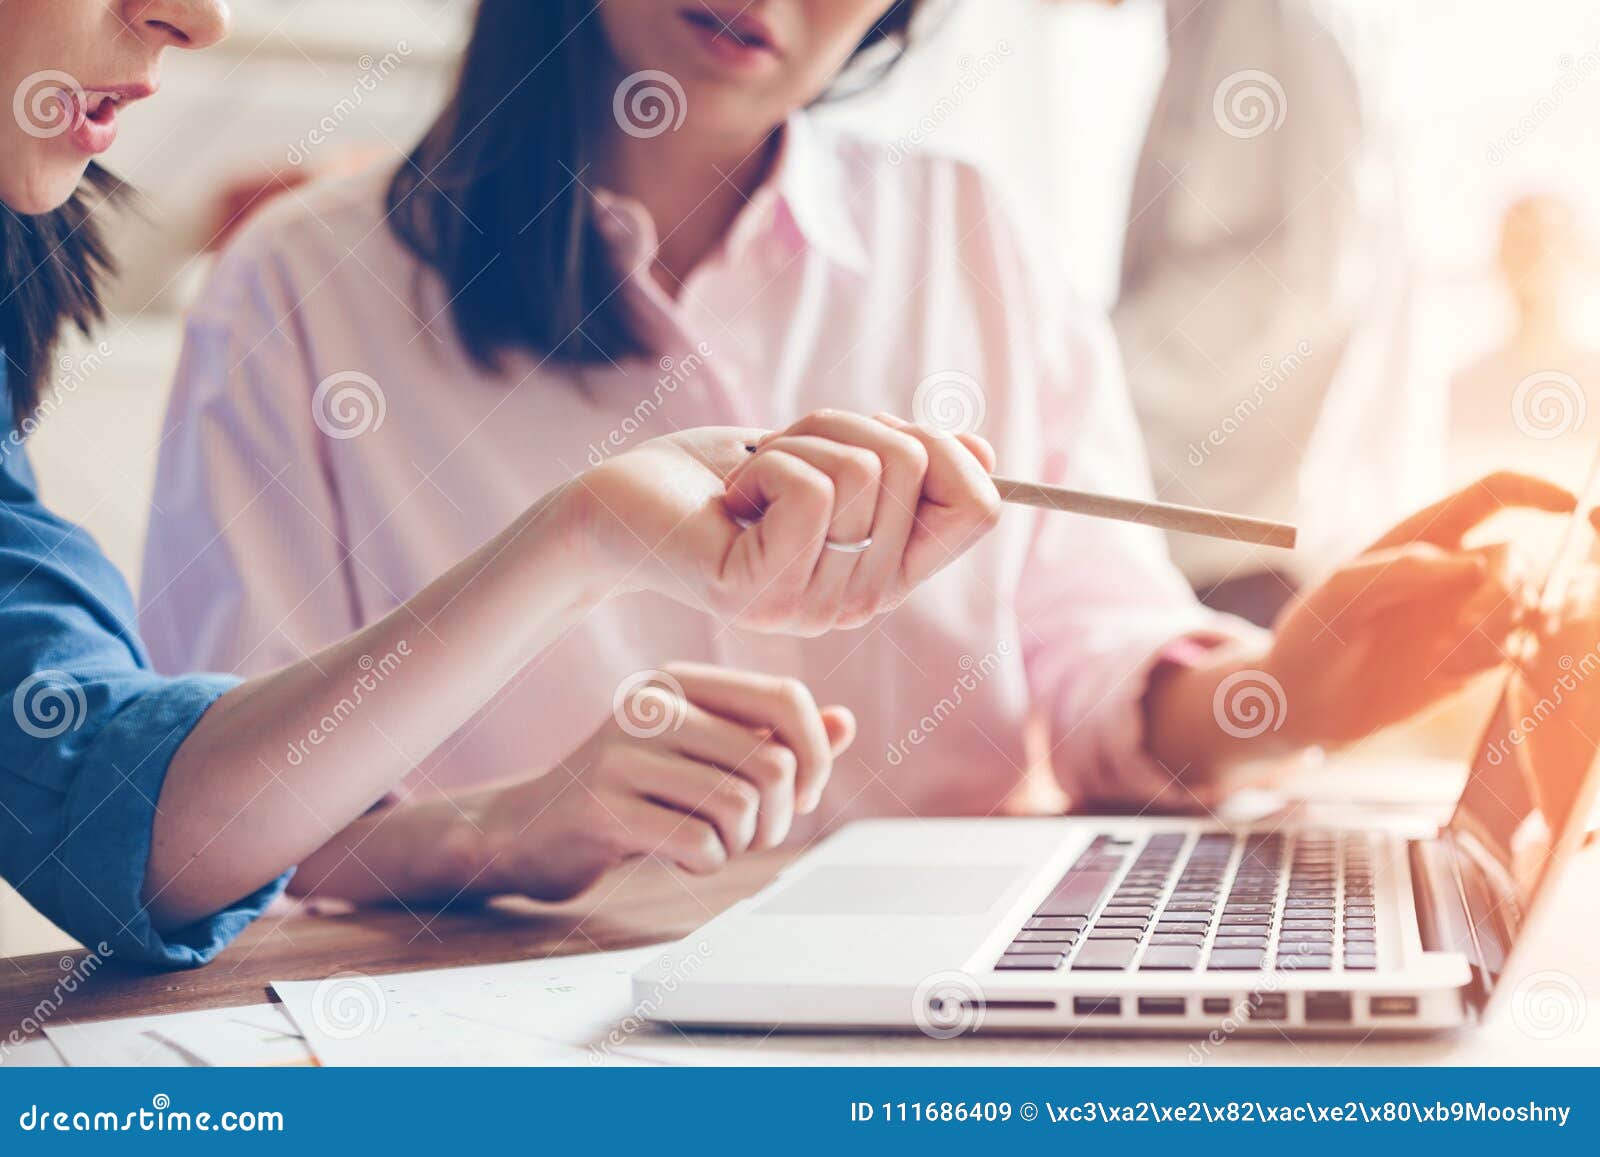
(1530,778)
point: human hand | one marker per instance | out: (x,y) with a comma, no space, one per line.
(754,537)
(1554,696)
(1407,622)
(699,765)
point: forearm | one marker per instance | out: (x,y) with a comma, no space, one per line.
(432,851)
(284,762)
(1203,719)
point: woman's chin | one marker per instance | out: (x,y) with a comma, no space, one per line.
(43,190)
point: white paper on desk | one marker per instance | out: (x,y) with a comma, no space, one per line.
(569,1010)
(258,1034)
(37,1053)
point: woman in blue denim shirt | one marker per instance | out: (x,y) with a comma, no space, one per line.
(159,815)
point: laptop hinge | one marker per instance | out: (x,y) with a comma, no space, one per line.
(1443,919)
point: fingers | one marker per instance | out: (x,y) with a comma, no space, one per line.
(649,829)
(1463,607)
(1577,613)
(783,707)
(731,805)
(960,502)
(855,472)
(794,502)
(742,747)
(840,723)
(1483,633)
(761,760)
(1571,626)
(1381,580)
(875,581)
(981,449)
(1447,522)
(720,449)
(919,498)
(760,763)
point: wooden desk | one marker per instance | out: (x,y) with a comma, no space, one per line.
(648,904)
(643,903)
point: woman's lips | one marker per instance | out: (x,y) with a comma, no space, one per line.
(93,114)
(94,124)
(734,39)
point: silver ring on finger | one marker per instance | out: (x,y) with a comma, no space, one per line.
(859,546)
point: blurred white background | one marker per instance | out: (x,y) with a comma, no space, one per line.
(1487,101)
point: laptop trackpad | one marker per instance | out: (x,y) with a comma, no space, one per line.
(933,890)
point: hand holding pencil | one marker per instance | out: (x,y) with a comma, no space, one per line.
(1162,515)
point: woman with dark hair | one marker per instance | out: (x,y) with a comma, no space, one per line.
(153,817)
(624,222)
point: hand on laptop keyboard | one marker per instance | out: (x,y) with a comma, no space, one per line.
(1407,622)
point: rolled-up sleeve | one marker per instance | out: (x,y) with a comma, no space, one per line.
(86,739)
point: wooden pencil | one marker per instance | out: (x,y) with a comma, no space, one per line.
(1166,516)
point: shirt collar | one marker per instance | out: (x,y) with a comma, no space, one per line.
(804,201)
(811,185)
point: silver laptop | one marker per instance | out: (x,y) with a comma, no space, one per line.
(1152,925)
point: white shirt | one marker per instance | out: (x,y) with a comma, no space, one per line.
(1265,309)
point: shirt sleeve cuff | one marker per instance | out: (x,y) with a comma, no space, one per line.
(110,815)
(1108,766)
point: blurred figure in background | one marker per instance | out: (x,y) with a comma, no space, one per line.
(1526,401)
(1264,305)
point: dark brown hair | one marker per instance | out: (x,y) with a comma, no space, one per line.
(488,200)
(51,267)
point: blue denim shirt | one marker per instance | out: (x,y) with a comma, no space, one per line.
(87,730)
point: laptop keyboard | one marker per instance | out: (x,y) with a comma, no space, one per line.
(1216,902)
